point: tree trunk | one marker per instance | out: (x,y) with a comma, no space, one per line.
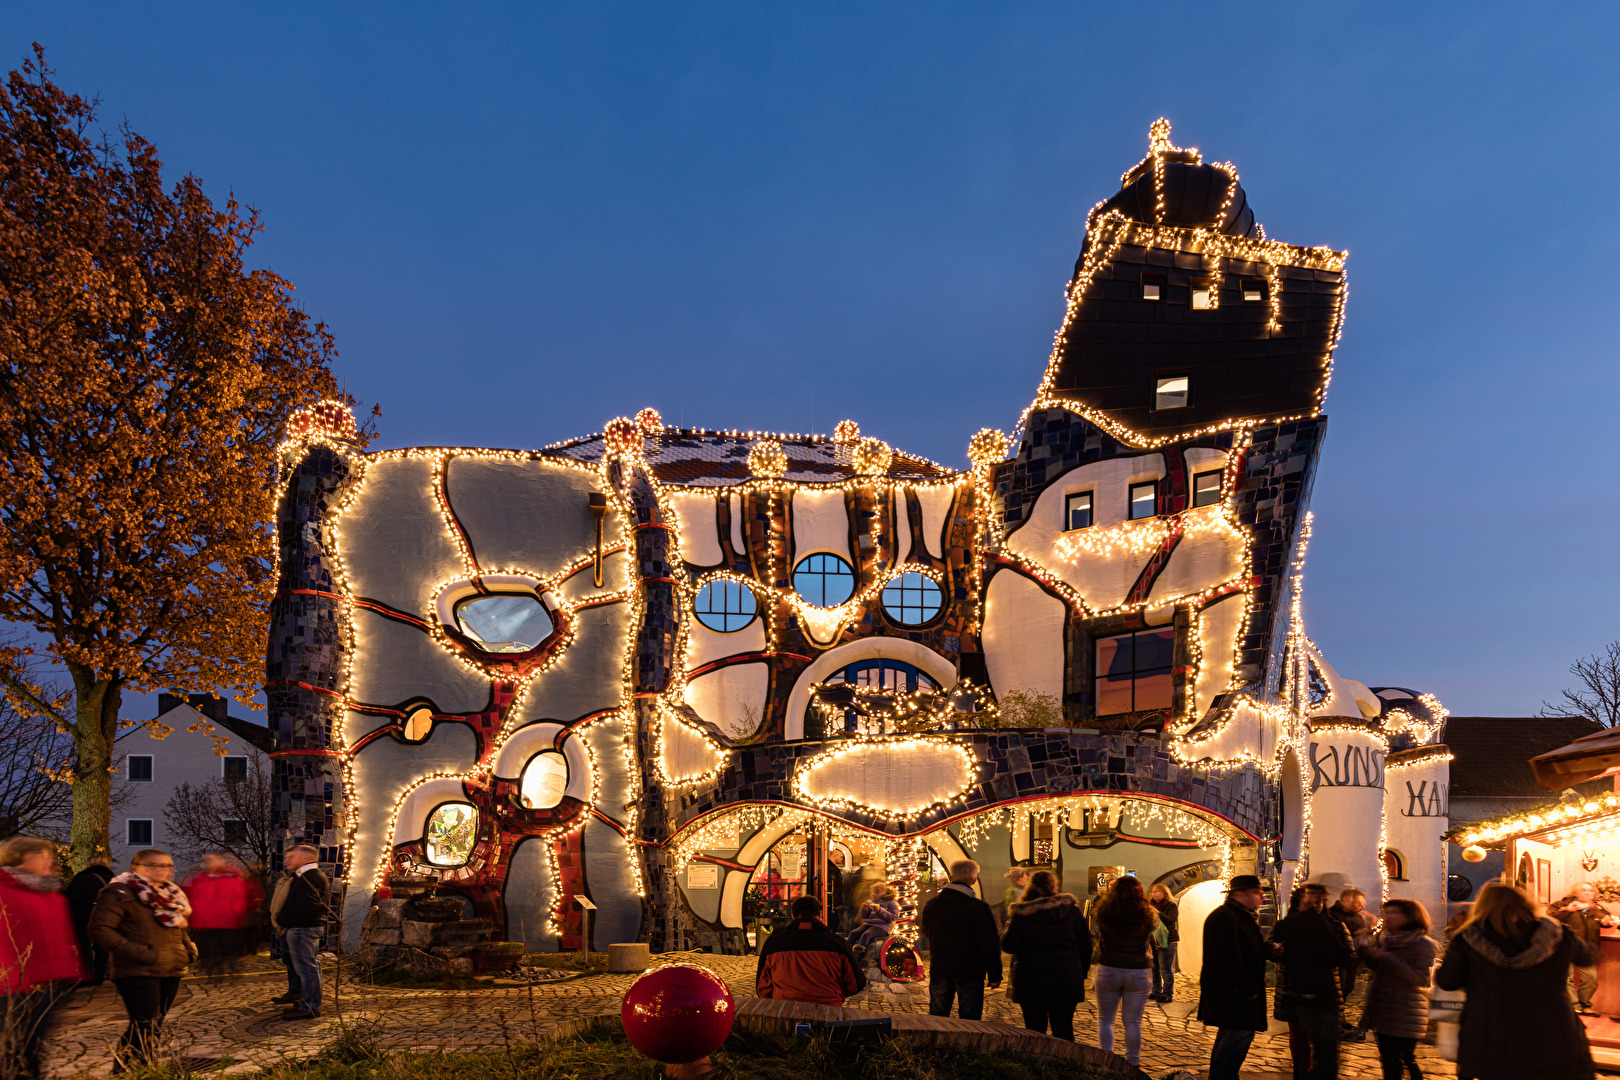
(95,726)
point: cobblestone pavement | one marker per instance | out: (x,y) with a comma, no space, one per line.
(231,1018)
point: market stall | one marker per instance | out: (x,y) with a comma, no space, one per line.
(1551,848)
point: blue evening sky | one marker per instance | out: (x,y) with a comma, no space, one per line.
(521,220)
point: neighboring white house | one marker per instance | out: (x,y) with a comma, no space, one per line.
(153,768)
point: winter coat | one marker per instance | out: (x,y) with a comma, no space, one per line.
(805,961)
(1126,946)
(1353,923)
(1517,1023)
(962,939)
(139,944)
(1398,1000)
(1050,945)
(300,900)
(880,914)
(221,901)
(1170,915)
(37,943)
(81,895)
(1232,984)
(1311,947)
(1587,923)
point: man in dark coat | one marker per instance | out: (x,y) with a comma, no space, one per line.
(299,910)
(81,895)
(1232,985)
(1312,948)
(1351,912)
(963,946)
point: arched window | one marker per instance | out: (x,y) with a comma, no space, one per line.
(725,605)
(911,599)
(824,580)
(545,778)
(451,830)
(893,676)
(1394,865)
(505,622)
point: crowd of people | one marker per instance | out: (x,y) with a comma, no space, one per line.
(1525,973)
(142,931)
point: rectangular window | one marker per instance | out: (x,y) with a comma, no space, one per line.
(1254,292)
(235,831)
(1144,500)
(1077,511)
(1171,391)
(139,768)
(1202,297)
(138,832)
(1133,672)
(1152,287)
(1207,488)
(235,768)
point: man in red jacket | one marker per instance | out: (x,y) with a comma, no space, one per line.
(805,961)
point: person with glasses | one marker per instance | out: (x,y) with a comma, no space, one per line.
(140,918)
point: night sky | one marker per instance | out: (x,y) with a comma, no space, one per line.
(521,221)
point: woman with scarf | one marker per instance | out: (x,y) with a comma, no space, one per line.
(1397,1010)
(140,918)
(39,954)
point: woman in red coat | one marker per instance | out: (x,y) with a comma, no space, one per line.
(223,901)
(39,952)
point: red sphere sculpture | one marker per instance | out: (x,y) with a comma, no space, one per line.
(677,1014)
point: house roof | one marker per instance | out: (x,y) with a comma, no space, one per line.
(693,458)
(1491,754)
(247,730)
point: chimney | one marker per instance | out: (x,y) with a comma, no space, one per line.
(210,706)
(169,701)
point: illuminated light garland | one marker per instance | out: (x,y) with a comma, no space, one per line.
(873,457)
(649,420)
(906,712)
(1146,534)
(846,431)
(806,770)
(660,760)
(767,458)
(1572,812)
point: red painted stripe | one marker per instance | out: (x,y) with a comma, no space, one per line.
(744,658)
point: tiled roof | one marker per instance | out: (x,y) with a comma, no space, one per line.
(711,459)
(1491,754)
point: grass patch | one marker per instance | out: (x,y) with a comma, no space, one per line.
(603,1053)
(596,962)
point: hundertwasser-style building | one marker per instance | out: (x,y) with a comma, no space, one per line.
(689,673)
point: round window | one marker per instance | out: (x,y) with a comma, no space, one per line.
(451,830)
(506,623)
(824,580)
(545,779)
(911,599)
(725,605)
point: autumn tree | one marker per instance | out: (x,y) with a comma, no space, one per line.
(145,375)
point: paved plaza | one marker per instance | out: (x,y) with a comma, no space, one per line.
(231,1017)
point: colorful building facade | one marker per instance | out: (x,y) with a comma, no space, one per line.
(643,665)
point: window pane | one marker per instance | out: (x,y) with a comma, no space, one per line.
(1114,656)
(1155,649)
(451,830)
(236,768)
(504,624)
(1078,511)
(1200,297)
(1207,489)
(824,580)
(1113,695)
(1154,691)
(140,767)
(1150,290)
(1143,499)
(545,778)
(139,832)
(725,605)
(911,599)
(1171,393)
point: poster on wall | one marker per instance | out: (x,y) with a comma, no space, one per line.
(792,864)
(702,876)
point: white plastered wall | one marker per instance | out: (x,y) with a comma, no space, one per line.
(526,742)
(1410,795)
(705,646)
(684,753)
(1103,581)
(1218,628)
(935,502)
(731,698)
(700,530)
(1347,809)
(820,523)
(890,776)
(1023,636)
(902,524)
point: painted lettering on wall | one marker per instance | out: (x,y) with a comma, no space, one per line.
(1346,766)
(1427,800)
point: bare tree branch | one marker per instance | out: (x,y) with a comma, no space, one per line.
(1597,697)
(229,816)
